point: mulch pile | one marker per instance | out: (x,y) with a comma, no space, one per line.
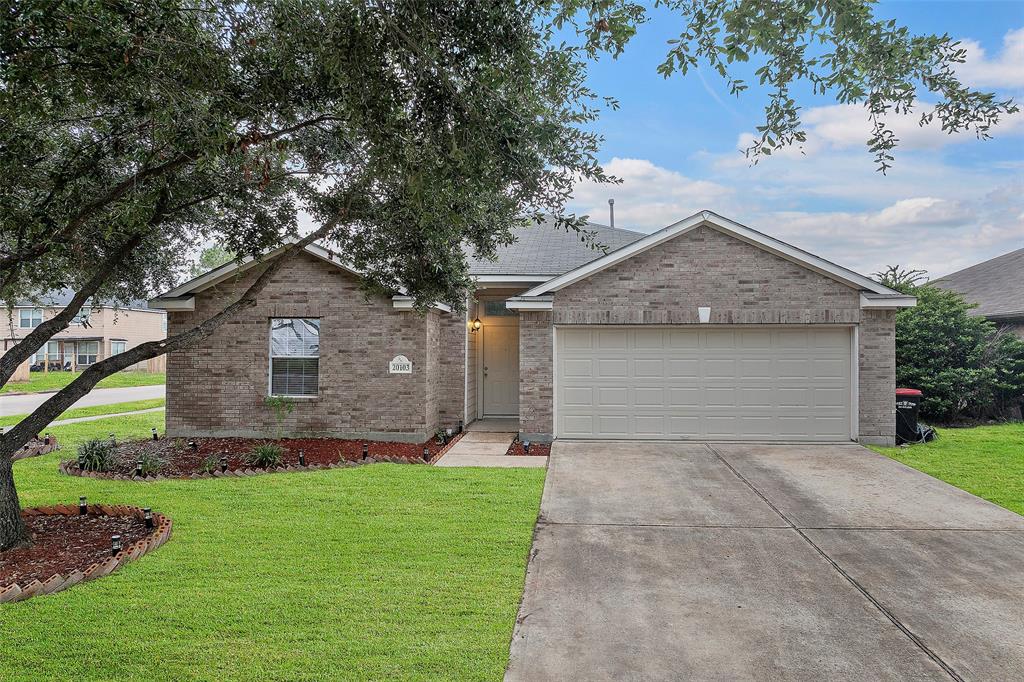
(179,460)
(65,543)
(536,449)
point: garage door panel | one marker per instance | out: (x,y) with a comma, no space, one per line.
(703,383)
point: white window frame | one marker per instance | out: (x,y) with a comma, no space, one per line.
(271,356)
(79,354)
(114,344)
(32,317)
(44,353)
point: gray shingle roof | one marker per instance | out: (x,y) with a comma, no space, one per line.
(61,297)
(996,285)
(546,250)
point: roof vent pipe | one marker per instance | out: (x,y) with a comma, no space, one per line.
(611,213)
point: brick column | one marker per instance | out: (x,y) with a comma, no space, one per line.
(536,378)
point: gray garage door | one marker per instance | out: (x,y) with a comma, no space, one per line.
(788,383)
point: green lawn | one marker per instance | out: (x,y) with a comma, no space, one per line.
(383,571)
(54,381)
(95,410)
(987,461)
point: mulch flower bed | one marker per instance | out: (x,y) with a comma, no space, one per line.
(536,449)
(177,458)
(69,547)
(40,445)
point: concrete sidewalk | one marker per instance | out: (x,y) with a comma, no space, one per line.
(661,561)
(486,448)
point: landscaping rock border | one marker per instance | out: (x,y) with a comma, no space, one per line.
(57,582)
(70,468)
(36,447)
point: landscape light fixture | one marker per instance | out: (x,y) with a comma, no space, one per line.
(46,440)
(366,450)
(426,454)
(138,467)
(192,445)
(302,458)
(155,437)
(83,506)
(115,544)
(81,462)
(147,516)
(113,441)
(223,464)
(526,447)
(475,325)
(460,426)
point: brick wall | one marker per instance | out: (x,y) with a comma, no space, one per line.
(742,283)
(536,378)
(877,385)
(452,379)
(219,387)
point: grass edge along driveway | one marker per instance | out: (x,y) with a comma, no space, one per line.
(987,461)
(383,571)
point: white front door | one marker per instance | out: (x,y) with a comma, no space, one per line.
(500,369)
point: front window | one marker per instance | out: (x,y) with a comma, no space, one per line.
(117,347)
(51,353)
(87,351)
(294,356)
(30,318)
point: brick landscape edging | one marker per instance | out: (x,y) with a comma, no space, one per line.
(57,582)
(36,447)
(69,468)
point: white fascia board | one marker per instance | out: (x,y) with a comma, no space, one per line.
(520,304)
(729,227)
(887,302)
(186,303)
(408,303)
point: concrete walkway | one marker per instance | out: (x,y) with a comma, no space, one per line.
(484,447)
(26,403)
(743,562)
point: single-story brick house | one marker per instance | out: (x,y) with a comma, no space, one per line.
(704,330)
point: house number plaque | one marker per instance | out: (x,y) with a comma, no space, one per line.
(400,365)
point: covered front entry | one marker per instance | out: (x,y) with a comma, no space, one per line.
(719,383)
(499,361)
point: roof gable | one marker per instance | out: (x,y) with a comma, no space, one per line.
(729,227)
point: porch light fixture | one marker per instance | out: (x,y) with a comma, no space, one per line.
(475,325)
(115,544)
(83,506)
(147,516)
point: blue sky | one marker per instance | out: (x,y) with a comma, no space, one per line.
(947,203)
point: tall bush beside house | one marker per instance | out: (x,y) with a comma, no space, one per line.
(966,366)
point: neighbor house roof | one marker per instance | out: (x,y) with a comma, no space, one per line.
(996,285)
(544,249)
(60,298)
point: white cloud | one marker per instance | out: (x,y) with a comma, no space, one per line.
(1004,71)
(649,197)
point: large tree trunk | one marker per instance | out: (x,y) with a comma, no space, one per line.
(13,532)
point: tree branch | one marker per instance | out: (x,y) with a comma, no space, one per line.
(66,397)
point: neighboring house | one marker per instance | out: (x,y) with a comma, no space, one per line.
(705,330)
(97,332)
(997,286)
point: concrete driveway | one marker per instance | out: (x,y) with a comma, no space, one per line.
(764,562)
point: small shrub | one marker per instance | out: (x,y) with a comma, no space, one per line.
(210,464)
(151,463)
(96,455)
(265,456)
